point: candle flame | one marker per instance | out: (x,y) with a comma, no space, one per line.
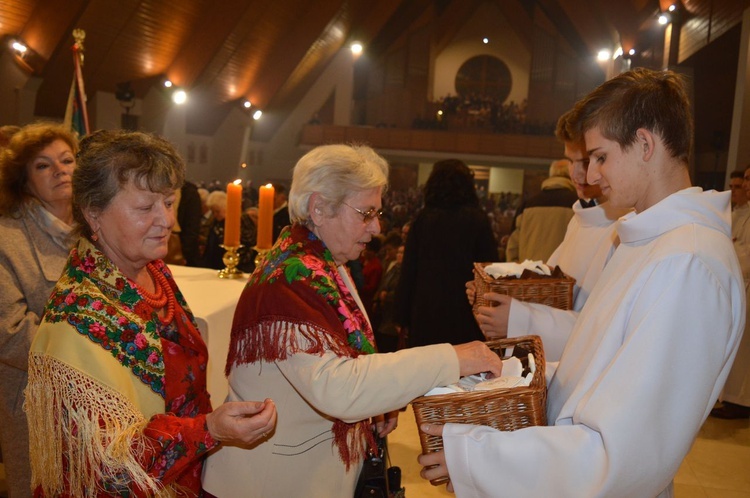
(237,182)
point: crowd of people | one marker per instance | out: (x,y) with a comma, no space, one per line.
(480,112)
(361,305)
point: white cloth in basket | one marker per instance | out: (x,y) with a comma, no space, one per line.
(512,376)
(498,270)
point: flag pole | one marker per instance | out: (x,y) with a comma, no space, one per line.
(76,116)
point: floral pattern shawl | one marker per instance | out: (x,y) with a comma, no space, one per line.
(298,283)
(161,443)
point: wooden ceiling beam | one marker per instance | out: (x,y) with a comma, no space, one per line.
(206,39)
(49,25)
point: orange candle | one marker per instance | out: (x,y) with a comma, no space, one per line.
(232,219)
(265,217)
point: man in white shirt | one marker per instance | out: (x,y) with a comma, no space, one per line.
(735,397)
(654,342)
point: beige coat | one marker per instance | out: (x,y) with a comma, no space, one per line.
(299,459)
(30,264)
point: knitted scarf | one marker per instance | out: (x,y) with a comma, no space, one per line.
(298,286)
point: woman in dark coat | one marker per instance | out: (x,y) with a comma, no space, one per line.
(447,237)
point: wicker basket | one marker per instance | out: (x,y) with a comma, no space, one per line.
(503,409)
(552,291)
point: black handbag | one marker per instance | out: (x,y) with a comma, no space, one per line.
(377,480)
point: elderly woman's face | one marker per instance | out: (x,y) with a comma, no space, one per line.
(49,173)
(135,228)
(346,233)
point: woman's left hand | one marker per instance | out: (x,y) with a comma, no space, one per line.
(242,423)
(434,464)
(385,424)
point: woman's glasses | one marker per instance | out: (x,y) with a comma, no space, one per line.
(369,215)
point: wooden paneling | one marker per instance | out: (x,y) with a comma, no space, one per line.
(521,146)
(272,51)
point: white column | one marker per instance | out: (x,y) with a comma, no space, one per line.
(739,145)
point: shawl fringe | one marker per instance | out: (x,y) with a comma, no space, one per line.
(276,339)
(94,428)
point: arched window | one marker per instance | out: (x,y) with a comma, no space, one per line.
(484,75)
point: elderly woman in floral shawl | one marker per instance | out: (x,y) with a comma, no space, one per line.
(301,336)
(116,400)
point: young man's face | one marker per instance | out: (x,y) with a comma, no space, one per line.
(618,172)
(579,163)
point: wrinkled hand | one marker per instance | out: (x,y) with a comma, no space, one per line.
(434,464)
(387,423)
(493,320)
(475,357)
(242,423)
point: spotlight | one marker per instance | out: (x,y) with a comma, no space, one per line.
(356,48)
(257,114)
(167,84)
(672,8)
(631,51)
(179,97)
(247,104)
(19,47)
(603,55)
(663,19)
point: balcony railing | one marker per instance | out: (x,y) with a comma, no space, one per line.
(488,144)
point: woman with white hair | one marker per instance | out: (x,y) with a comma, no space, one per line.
(301,336)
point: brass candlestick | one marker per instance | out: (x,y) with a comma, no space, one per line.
(231,259)
(260,254)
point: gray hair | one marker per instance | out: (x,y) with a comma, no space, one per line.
(334,172)
(108,160)
(217,199)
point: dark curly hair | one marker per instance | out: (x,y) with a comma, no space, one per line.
(23,145)
(450,185)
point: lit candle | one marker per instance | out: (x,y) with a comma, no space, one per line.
(232,219)
(265,217)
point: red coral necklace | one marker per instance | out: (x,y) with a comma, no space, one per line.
(163,296)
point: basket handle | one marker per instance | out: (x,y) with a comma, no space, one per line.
(474,301)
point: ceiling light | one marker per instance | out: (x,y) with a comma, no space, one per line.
(167,84)
(19,47)
(356,48)
(603,55)
(672,8)
(485,40)
(247,104)
(179,97)
(257,114)
(663,19)
(631,51)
